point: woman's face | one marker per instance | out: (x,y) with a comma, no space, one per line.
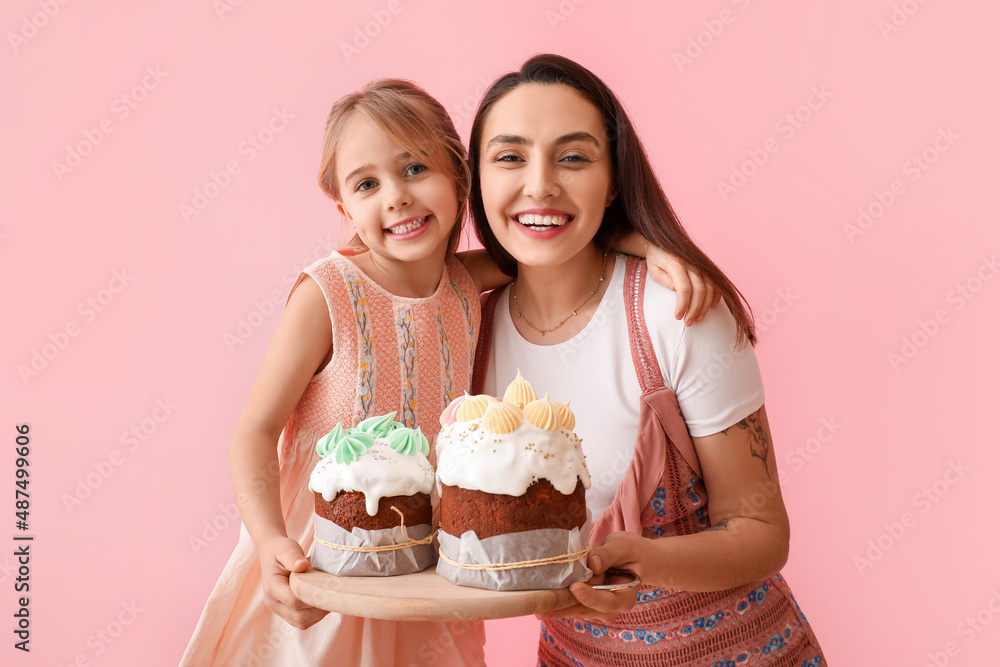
(545,173)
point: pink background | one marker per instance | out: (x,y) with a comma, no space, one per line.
(872,431)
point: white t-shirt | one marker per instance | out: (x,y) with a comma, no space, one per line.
(716,385)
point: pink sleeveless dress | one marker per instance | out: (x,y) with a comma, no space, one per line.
(663,495)
(390,353)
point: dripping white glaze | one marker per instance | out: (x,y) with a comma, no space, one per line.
(379,473)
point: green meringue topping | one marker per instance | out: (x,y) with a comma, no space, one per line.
(379,427)
(329,441)
(353,445)
(409,442)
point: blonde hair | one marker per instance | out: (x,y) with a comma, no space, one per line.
(410,118)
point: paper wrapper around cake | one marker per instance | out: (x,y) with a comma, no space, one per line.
(345,521)
(479,527)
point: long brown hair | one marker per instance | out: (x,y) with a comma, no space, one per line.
(640,206)
(410,118)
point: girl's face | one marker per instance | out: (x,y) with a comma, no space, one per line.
(401,209)
(545,173)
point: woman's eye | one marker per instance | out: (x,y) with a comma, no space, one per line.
(575,158)
(365,185)
(507,157)
(415,169)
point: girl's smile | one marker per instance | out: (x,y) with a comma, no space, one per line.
(408,228)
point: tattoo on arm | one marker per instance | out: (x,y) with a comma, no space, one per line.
(760,446)
(722,525)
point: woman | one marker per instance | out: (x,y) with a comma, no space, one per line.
(559,176)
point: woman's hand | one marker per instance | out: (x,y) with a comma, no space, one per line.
(279,557)
(695,294)
(623,551)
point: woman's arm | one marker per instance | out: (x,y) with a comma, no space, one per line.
(695,294)
(300,345)
(748,540)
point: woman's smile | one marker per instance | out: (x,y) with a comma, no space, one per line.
(543,223)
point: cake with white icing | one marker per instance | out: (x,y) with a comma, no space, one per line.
(372,490)
(507,467)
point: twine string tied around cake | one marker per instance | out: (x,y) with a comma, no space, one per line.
(410,542)
(495,567)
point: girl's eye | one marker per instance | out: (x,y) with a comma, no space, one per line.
(365,185)
(415,169)
(507,157)
(575,159)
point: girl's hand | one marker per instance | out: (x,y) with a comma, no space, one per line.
(278,558)
(619,550)
(695,294)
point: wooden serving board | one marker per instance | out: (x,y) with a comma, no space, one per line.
(423,596)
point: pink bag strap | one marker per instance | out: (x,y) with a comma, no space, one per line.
(647,368)
(645,362)
(489,307)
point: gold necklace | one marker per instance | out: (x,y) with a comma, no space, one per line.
(513,292)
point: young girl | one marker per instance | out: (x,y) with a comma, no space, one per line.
(390,325)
